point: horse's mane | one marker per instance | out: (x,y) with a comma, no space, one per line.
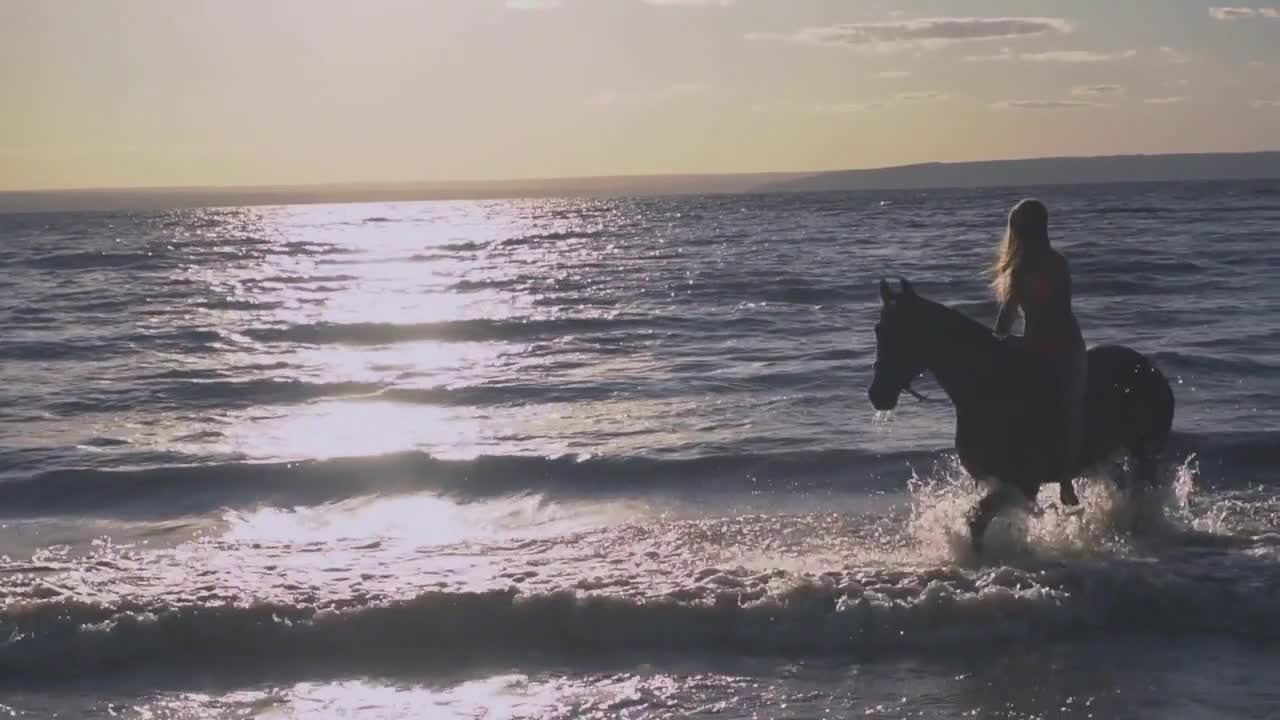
(961,327)
(973,358)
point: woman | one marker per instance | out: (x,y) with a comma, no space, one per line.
(1029,275)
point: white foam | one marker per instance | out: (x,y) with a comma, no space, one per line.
(1104,526)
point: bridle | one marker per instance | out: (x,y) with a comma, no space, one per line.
(911,391)
(906,388)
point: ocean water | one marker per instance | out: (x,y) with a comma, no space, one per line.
(611,459)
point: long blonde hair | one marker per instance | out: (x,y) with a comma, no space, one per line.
(1026,237)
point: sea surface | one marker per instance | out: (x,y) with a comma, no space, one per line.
(611,459)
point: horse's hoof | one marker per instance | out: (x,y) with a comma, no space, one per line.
(975,542)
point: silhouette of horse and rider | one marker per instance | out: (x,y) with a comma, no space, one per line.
(1032,409)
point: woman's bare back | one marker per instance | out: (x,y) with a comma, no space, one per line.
(1043,291)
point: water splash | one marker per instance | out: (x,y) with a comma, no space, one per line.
(1109,522)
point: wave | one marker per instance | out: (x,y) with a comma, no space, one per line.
(258,392)
(314,247)
(176,490)
(1137,210)
(90,260)
(248,305)
(223,393)
(554,235)
(494,329)
(1224,455)
(32,311)
(576,302)
(477,330)
(1233,365)
(299,279)
(181,337)
(179,490)
(463,246)
(50,350)
(211,389)
(802,292)
(445,251)
(846,613)
(1112,283)
(786,291)
(468,286)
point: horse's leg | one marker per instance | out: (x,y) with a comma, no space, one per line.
(1147,466)
(981,515)
(1067,492)
(1076,378)
(1143,485)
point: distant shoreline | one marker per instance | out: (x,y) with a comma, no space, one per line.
(1033,172)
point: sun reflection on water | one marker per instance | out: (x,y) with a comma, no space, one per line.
(334,429)
(409,364)
(352,294)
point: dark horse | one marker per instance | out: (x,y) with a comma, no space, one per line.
(1006,404)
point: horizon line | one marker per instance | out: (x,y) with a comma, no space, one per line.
(457,183)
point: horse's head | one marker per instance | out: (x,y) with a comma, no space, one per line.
(900,356)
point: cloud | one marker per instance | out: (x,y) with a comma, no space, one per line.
(1231,13)
(1045,105)
(1173,100)
(893,74)
(1077,56)
(552,4)
(922,33)
(1173,56)
(1054,56)
(1264,104)
(1005,55)
(838,108)
(1097,90)
(533,4)
(844,108)
(648,97)
(921,96)
(1243,13)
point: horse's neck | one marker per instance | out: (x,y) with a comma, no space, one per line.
(962,355)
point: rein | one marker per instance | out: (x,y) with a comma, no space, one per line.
(921,398)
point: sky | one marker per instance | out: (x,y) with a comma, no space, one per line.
(157,93)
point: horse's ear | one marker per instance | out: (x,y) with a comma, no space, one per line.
(906,287)
(887,294)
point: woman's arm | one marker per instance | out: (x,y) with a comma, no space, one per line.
(1004,320)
